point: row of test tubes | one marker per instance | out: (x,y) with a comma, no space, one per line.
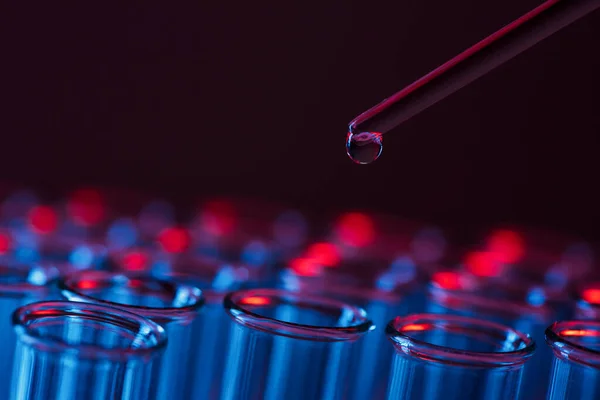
(211,309)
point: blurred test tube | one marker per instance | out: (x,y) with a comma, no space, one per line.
(587,301)
(15,208)
(70,350)
(175,306)
(457,293)
(215,279)
(576,365)
(382,290)
(121,234)
(290,345)
(290,231)
(153,218)
(46,237)
(19,285)
(444,357)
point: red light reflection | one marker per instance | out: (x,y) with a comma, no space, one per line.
(45,313)
(136,283)
(325,254)
(508,246)
(43,219)
(218,217)
(255,301)
(591,295)
(86,207)
(580,333)
(415,327)
(447,280)
(356,229)
(5,243)
(174,240)
(483,263)
(135,261)
(87,284)
(305,267)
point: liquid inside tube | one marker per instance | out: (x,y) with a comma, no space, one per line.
(364,147)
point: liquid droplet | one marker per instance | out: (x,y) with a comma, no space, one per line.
(364,147)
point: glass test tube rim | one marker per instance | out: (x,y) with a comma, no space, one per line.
(441,354)
(570,350)
(115,316)
(68,287)
(305,284)
(22,287)
(211,295)
(479,301)
(232,304)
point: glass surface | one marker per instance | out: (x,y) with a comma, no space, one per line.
(211,339)
(19,285)
(290,345)
(465,295)
(70,350)
(452,357)
(175,306)
(576,364)
(383,293)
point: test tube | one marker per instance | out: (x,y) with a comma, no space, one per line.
(514,38)
(587,305)
(69,350)
(290,345)
(212,338)
(383,293)
(19,285)
(175,306)
(449,357)
(576,365)
(464,295)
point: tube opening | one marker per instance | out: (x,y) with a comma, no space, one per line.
(87,330)
(577,341)
(150,297)
(348,281)
(458,291)
(297,315)
(459,340)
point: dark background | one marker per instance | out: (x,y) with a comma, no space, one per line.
(248,98)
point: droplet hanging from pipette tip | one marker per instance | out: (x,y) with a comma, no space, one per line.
(364,147)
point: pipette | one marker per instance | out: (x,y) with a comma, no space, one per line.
(365,132)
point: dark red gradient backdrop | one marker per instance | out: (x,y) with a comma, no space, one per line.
(253,99)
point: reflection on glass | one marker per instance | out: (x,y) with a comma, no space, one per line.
(290,345)
(69,350)
(174,306)
(576,365)
(448,357)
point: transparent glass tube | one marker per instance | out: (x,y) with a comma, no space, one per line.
(212,338)
(69,350)
(19,285)
(173,305)
(587,301)
(501,46)
(454,293)
(450,357)
(290,345)
(576,365)
(383,295)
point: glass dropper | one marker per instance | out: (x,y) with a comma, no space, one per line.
(365,132)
